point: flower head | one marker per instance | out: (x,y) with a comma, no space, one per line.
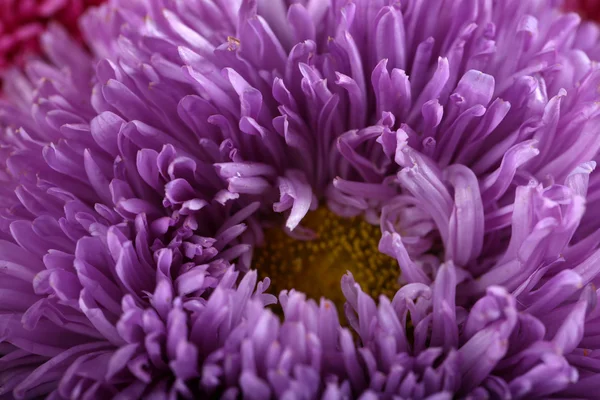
(141,182)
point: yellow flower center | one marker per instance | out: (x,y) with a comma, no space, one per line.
(316,266)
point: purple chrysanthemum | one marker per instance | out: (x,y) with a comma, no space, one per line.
(141,182)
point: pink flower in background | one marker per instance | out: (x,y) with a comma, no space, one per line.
(22,22)
(589,9)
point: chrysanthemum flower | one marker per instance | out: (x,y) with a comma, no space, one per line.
(445,162)
(23,21)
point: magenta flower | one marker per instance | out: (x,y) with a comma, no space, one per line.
(213,158)
(589,9)
(23,21)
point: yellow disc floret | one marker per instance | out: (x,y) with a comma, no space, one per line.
(316,266)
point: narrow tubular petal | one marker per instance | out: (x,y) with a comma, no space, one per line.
(466,225)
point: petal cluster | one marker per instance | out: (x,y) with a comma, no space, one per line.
(137,180)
